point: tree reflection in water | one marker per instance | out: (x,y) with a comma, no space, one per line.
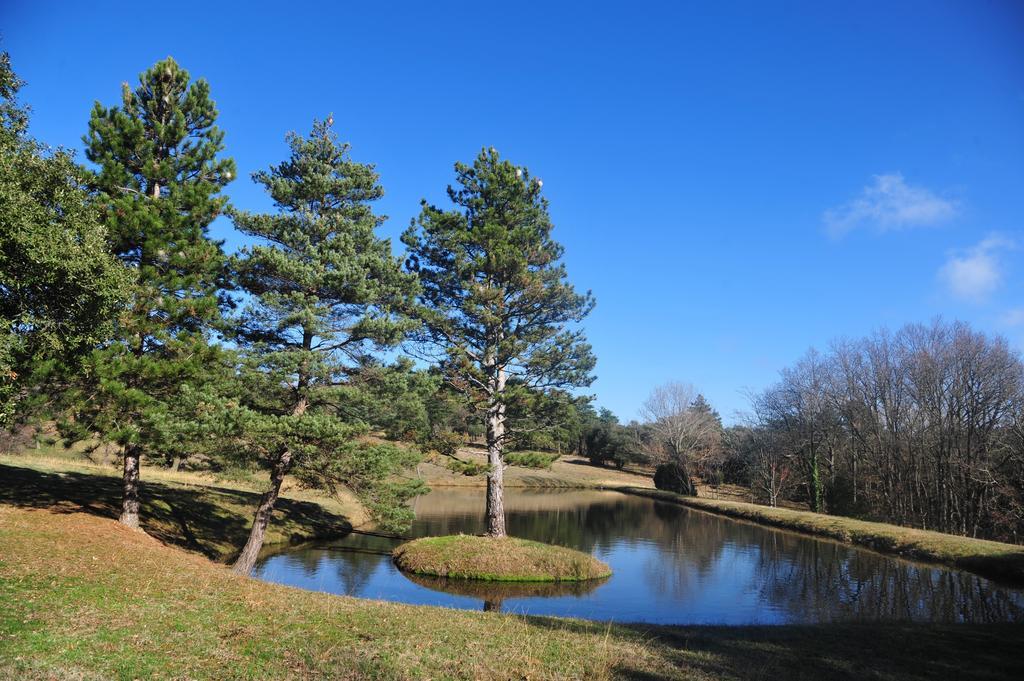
(671,565)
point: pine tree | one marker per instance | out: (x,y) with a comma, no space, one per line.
(59,287)
(159,180)
(496,300)
(325,292)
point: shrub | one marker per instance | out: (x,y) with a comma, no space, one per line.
(466,467)
(673,478)
(531,459)
(445,444)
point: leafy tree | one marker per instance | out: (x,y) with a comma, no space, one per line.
(158,182)
(496,300)
(324,292)
(59,287)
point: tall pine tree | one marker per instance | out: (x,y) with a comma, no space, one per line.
(324,292)
(159,180)
(497,301)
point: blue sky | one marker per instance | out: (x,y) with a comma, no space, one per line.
(736,182)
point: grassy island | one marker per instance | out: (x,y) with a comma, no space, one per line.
(505,559)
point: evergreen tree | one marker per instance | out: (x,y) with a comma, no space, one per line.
(159,180)
(394,398)
(325,292)
(497,301)
(59,287)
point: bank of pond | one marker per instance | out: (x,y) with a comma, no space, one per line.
(670,565)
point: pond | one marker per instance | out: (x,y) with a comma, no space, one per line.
(672,565)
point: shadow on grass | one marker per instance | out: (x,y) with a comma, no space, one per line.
(820,652)
(585,463)
(213,521)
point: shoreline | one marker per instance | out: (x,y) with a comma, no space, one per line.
(1000,562)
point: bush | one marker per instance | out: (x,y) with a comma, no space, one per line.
(469,468)
(445,444)
(531,459)
(673,478)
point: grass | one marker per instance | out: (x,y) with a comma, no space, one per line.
(996,560)
(505,559)
(497,591)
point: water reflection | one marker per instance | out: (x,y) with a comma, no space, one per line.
(494,594)
(671,565)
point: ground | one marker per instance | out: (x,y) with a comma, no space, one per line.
(569,470)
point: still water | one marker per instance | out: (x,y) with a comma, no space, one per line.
(671,565)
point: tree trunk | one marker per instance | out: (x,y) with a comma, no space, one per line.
(130,495)
(495,493)
(247,558)
(175,464)
(495,461)
(815,483)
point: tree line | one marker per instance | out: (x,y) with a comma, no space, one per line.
(125,323)
(922,427)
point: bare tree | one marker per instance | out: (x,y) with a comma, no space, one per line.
(919,427)
(679,431)
(772,467)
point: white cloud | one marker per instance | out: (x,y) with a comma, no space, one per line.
(889,203)
(1014,317)
(976,274)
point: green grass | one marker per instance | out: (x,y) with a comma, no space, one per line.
(529,459)
(1003,562)
(505,559)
